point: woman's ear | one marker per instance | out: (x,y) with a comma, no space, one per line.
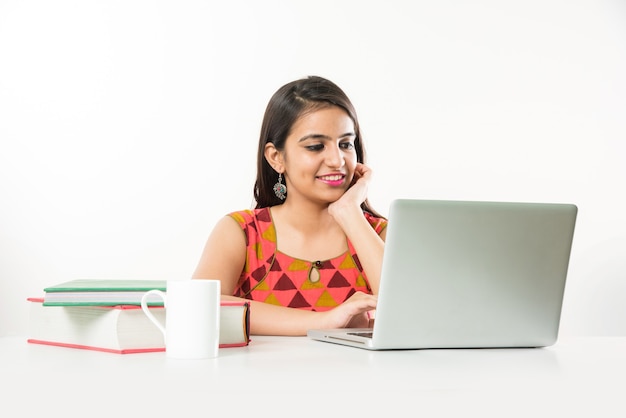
(274,157)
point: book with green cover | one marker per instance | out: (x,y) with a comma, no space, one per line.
(103,292)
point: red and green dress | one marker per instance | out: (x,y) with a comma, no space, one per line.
(274,277)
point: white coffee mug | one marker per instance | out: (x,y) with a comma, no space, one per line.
(192,318)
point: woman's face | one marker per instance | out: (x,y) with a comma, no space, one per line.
(319,155)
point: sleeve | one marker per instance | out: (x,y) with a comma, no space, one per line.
(379,224)
(244,218)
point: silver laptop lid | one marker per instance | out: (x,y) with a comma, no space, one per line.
(473,274)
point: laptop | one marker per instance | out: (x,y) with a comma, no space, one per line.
(468,274)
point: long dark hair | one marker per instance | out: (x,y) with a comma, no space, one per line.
(288,104)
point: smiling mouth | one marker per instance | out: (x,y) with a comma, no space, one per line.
(333,178)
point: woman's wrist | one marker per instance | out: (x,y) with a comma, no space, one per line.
(345,213)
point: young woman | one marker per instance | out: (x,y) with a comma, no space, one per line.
(309,255)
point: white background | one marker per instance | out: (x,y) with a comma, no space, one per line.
(128,128)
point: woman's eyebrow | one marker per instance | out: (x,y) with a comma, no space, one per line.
(324,137)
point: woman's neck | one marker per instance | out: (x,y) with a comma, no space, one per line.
(308,232)
(304,217)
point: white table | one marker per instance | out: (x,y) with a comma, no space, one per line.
(295,376)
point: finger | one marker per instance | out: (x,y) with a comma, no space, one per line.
(366,303)
(362,168)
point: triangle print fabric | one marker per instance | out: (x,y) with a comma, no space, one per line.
(273,277)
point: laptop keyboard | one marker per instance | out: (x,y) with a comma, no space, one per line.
(367,334)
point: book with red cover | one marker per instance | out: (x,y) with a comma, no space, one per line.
(122,329)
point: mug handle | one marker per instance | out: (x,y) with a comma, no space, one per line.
(146,310)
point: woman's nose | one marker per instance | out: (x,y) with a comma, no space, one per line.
(334,157)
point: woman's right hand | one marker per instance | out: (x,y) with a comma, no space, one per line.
(353,313)
(355,195)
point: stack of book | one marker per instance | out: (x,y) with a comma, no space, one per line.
(106,315)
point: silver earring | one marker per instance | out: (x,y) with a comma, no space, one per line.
(279,188)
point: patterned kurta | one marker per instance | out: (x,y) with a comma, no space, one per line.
(274,277)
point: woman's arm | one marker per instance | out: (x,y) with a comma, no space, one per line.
(223,259)
(267,319)
(349,215)
(224,255)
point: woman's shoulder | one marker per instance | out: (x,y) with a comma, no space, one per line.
(247,216)
(257,225)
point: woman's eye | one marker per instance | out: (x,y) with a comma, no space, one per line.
(347,145)
(316,147)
